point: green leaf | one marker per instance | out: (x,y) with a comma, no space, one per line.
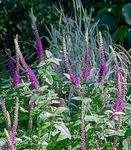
(67,76)
(128,133)
(125,145)
(103,28)
(60,110)
(48,54)
(120,33)
(56,61)
(2,142)
(110,132)
(92,118)
(85,99)
(45,115)
(76,98)
(127,13)
(64,130)
(23,110)
(129,37)
(105,17)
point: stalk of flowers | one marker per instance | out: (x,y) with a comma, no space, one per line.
(14,69)
(117,68)
(83,135)
(119,103)
(11,133)
(102,72)
(119,77)
(6,114)
(30,73)
(86,70)
(31,107)
(9,145)
(75,80)
(16,76)
(118,106)
(15,123)
(39,45)
(11,64)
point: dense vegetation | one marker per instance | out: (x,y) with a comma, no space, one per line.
(72,89)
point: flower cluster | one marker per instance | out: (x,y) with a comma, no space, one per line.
(11,133)
(14,69)
(30,73)
(102,72)
(75,80)
(11,64)
(83,145)
(119,103)
(86,70)
(31,107)
(83,134)
(39,45)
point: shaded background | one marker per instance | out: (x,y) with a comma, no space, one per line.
(14,19)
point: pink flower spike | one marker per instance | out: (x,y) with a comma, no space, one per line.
(30,73)
(39,45)
(11,64)
(86,70)
(75,80)
(102,72)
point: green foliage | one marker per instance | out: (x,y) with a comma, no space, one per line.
(58,127)
(126,12)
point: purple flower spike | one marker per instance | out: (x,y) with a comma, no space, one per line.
(33,79)
(75,80)
(11,64)
(39,45)
(83,146)
(86,73)
(83,134)
(30,73)
(14,70)
(16,78)
(86,70)
(118,106)
(102,72)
